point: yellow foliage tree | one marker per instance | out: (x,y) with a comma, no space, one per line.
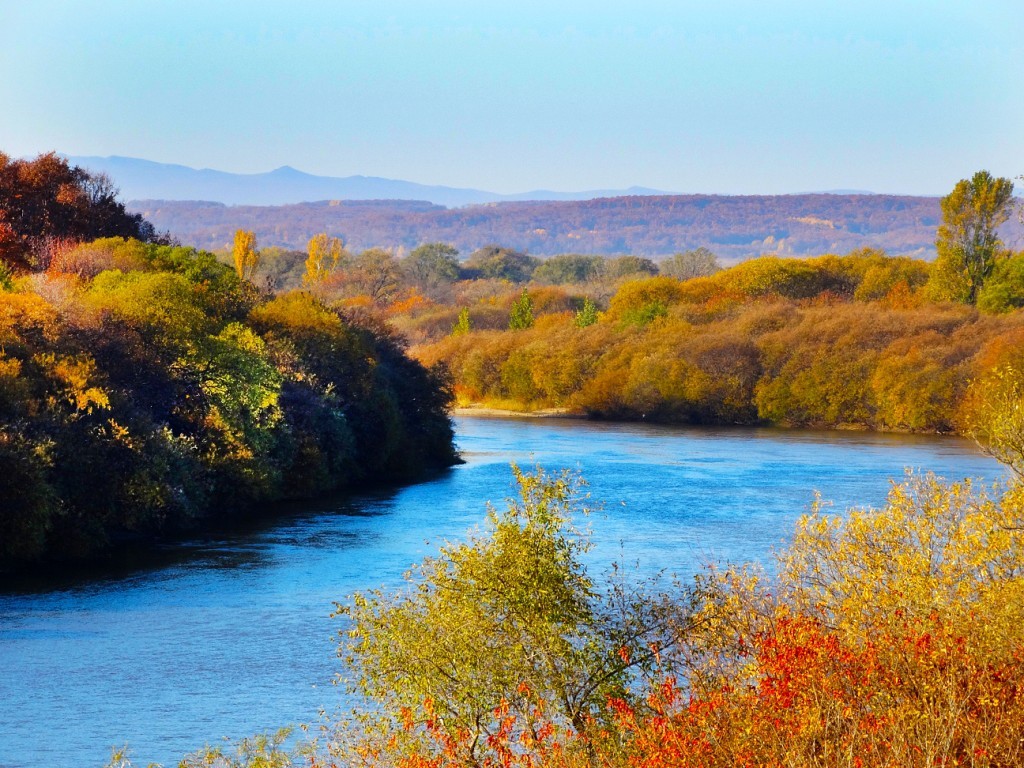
(76,377)
(995,418)
(936,549)
(324,254)
(246,254)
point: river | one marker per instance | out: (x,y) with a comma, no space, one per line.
(231,635)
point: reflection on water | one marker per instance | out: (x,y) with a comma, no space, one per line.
(231,635)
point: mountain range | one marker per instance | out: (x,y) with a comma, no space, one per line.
(147,180)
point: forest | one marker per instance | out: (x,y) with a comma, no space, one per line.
(147,388)
(734,227)
(851,341)
(144,384)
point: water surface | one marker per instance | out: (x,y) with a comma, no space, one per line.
(230,636)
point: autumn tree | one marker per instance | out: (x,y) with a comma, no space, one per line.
(46,201)
(323,255)
(509,620)
(699,262)
(431,266)
(374,273)
(246,254)
(968,243)
(641,301)
(995,415)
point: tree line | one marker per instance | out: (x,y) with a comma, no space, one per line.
(735,227)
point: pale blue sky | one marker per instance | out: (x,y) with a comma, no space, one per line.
(728,96)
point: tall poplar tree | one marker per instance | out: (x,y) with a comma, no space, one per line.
(247,255)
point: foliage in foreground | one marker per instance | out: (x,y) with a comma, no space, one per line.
(510,619)
(889,637)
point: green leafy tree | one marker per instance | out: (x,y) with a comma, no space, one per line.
(493,261)
(462,325)
(521,316)
(242,387)
(1004,289)
(431,266)
(968,244)
(568,268)
(626,266)
(162,306)
(587,314)
(509,619)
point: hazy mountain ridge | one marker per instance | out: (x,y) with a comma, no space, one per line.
(371,211)
(147,180)
(734,227)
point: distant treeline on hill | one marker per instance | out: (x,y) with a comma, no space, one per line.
(733,227)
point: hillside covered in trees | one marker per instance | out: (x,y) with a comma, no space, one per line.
(146,388)
(144,384)
(735,227)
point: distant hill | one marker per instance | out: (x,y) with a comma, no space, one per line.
(734,227)
(144,179)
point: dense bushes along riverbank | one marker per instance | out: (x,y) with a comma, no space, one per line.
(145,388)
(834,341)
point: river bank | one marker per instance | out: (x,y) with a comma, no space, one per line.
(481,411)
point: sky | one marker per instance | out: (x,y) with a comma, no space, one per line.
(728,97)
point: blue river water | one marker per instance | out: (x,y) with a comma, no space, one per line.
(231,635)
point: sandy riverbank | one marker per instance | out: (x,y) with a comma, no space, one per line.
(502,413)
